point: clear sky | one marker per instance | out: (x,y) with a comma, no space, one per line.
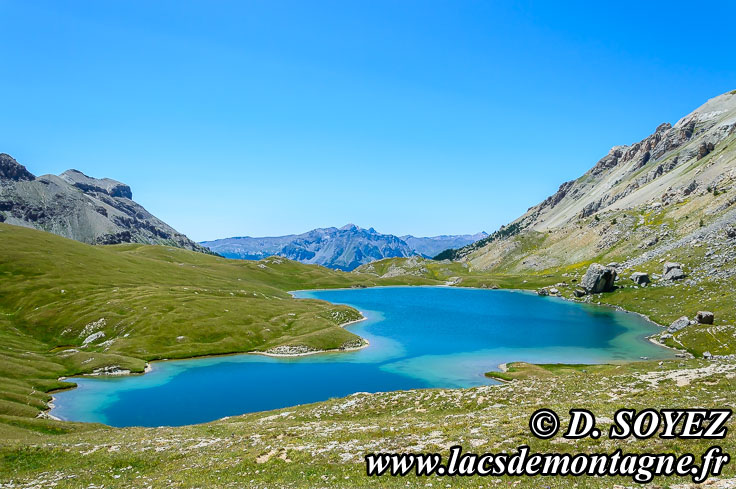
(273,117)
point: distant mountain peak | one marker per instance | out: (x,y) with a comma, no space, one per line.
(350,227)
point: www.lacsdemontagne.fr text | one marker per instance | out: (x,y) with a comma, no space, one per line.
(544,424)
(641,468)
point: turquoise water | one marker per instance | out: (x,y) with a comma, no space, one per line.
(420,337)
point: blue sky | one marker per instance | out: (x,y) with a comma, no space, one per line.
(273,117)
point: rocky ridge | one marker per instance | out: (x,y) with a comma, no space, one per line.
(673,190)
(76,206)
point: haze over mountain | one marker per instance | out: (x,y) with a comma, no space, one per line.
(432,245)
(76,206)
(661,198)
(342,248)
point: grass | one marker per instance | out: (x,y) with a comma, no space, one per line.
(523,370)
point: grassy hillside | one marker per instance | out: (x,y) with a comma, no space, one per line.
(68,308)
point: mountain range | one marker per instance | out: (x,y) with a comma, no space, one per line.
(76,206)
(342,248)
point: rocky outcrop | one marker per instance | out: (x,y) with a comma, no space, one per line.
(640,278)
(557,197)
(106,186)
(704,149)
(12,170)
(598,279)
(672,271)
(679,324)
(77,206)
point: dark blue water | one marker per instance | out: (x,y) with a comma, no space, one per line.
(419,337)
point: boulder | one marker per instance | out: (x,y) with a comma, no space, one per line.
(704,317)
(543,292)
(672,271)
(704,149)
(614,264)
(598,279)
(640,278)
(578,292)
(679,324)
(553,291)
(707,355)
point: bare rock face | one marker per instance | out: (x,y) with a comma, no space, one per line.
(76,206)
(679,324)
(704,149)
(672,271)
(12,170)
(598,279)
(640,278)
(704,317)
(113,188)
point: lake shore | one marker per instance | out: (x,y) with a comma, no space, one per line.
(149,367)
(298,351)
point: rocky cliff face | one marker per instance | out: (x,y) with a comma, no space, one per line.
(76,206)
(673,189)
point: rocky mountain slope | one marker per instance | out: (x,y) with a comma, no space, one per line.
(670,194)
(342,248)
(73,205)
